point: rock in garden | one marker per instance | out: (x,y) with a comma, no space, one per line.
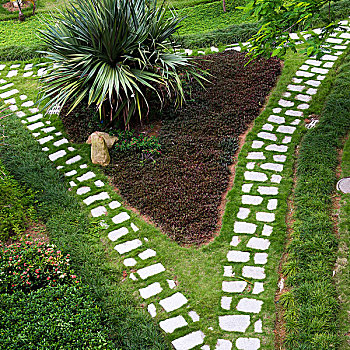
(99,150)
(110,140)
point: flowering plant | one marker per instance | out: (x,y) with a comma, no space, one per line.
(29,265)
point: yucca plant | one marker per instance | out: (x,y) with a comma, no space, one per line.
(109,53)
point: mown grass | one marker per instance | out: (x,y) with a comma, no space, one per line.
(342,268)
(70,229)
(312,305)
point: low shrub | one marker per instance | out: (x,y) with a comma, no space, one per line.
(29,265)
(62,317)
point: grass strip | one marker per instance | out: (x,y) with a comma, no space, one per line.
(312,305)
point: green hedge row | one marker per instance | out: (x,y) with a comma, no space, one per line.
(312,305)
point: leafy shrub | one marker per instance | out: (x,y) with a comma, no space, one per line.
(29,265)
(62,317)
(16,206)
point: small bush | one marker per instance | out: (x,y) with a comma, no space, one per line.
(62,317)
(28,265)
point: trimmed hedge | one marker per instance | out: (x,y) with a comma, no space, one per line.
(312,306)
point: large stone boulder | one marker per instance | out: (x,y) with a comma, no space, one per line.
(99,150)
(110,140)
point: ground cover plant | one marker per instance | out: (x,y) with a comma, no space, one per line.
(312,305)
(198,143)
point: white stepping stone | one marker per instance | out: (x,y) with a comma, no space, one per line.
(344,36)
(2,66)
(304,67)
(152,310)
(287,139)
(249,305)
(15,66)
(267,230)
(256,155)
(272,204)
(60,142)
(56,155)
(149,253)
(255,272)
(314,83)
(272,166)
(97,197)
(258,243)
(265,217)
(74,160)
(313,62)
(319,70)
(334,40)
(247,187)
(28,104)
(321,77)
(286,129)
(9,93)
(12,73)
(130,262)
(194,316)
(301,73)
(72,184)
(28,66)
(70,173)
(260,258)
(267,127)
(248,343)
(285,103)
(294,113)
(255,176)
(238,256)
(10,101)
(45,149)
(27,74)
(244,227)
(14,108)
(257,144)
(135,229)
(173,302)
(20,114)
(114,204)
(189,341)
(277,110)
(49,129)
(303,98)
(226,303)
(287,94)
(234,323)
(116,234)
(151,290)
(258,288)
(295,122)
(83,190)
(297,80)
(276,178)
(223,344)
(294,36)
(35,110)
(173,323)
(2,81)
(99,211)
(268,190)
(276,119)
(128,246)
(277,148)
(243,213)
(171,284)
(250,165)
(233,286)
(279,158)
(303,106)
(235,241)
(214,49)
(328,64)
(34,118)
(258,326)
(45,139)
(267,136)
(228,271)
(99,183)
(87,176)
(251,200)
(133,277)
(119,218)
(151,270)
(41,72)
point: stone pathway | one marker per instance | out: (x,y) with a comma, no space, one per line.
(248,250)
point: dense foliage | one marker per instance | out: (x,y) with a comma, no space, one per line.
(312,305)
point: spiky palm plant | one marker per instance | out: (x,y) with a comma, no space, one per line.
(109,52)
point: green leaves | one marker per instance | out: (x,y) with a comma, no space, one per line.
(109,53)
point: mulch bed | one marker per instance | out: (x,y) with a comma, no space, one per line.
(183,190)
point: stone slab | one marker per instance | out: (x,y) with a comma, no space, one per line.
(171,324)
(238,256)
(258,243)
(233,286)
(97,197)
(128,246)
(265,217)
(249,305)
(57,155)
(151,270)
(121,217)
(148,253)
(173,302)
(253,272)
(244,227)
(116,234)
(189,341)
(151,290)
(234,323)
(251,200)
(255,176)
(248,343)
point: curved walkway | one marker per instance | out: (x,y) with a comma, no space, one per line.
(248,250)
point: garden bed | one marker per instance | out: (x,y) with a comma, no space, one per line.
(182,191)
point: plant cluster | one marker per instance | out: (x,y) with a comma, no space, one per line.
(29,265)
(311,307)
(198,142)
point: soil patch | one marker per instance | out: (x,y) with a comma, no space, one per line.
(9,6)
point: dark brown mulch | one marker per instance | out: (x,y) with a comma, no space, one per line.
(182,191)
